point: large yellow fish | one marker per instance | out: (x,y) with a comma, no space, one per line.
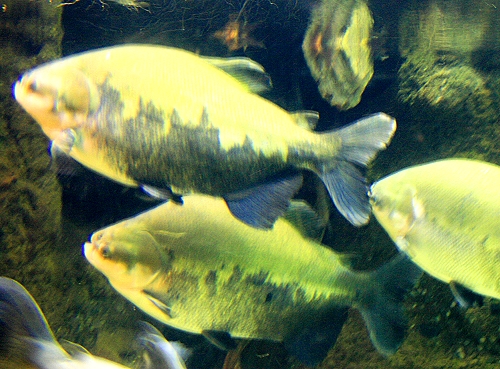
(446,216)
(197,268)
(27,342)
(165,118)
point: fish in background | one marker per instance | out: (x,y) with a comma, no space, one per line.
(446,216)
(176,123)
(159,352)
(130,4)
(26,340)
(338,52)
(197,268)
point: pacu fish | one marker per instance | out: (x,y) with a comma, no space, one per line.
(337,50)
(446,216)
(27,342)
(197,268)
(165,118)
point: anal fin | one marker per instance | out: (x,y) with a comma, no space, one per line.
(261,205)
(311,344)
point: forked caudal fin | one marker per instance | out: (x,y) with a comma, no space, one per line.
(384,312)
(360,142)
(158,352)
(23,328)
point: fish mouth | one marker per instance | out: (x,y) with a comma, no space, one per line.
(26,92)
(89,251)
(40,105)
(97,248)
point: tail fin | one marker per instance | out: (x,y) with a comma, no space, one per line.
(384,316)
(160,353)
(360,142)
(23,328)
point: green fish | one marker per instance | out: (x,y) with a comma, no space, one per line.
(446,216)
(197,268)
(176,123)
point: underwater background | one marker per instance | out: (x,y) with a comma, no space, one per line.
(436,69)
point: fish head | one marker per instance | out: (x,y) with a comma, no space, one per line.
(57,97)
(396,207)
(131,260)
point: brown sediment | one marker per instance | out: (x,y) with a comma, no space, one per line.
(33,249)
(30,197)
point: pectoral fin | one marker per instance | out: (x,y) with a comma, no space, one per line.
(220,339)
(74,349)
(160,305)
(464,296)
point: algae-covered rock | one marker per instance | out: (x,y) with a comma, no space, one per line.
(448,80)
(34,250)
(440,26)
(30,197)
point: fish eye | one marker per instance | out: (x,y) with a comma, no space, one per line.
(32,87)
(377,201)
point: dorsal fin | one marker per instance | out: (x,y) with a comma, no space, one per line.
(248,72)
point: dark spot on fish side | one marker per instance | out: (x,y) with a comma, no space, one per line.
(211,277)
(236,276)
(269,297)
(211,282)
